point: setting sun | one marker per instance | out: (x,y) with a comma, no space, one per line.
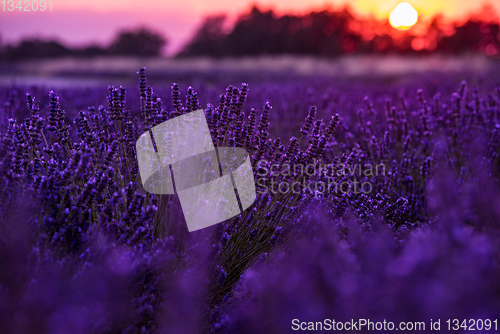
(403,16)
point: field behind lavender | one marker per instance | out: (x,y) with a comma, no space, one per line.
(84,249)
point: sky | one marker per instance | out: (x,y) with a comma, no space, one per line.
(80,22)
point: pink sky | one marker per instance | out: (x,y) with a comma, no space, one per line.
(77,22)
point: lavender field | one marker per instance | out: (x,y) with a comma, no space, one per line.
(85,249)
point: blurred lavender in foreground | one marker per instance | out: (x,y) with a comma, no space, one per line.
(83,248)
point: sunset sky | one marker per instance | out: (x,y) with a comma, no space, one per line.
(77,22)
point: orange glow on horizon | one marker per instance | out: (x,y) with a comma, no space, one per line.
(77,22)
(378,8)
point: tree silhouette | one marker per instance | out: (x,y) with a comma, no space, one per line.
(35,48)
(330,33)
(141,42)
(208,38)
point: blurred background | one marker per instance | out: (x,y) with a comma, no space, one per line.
(87,41)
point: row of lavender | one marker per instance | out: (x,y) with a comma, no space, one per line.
(85,249)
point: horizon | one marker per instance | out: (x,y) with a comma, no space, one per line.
(82,23)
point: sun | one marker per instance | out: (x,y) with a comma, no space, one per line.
(403,17)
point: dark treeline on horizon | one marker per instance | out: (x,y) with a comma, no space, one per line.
(336,33)
(138,42)
(324,33)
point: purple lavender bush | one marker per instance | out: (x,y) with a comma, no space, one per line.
(84,249)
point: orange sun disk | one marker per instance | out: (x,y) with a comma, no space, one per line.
(403,17)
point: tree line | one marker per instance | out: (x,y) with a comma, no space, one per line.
(335,33)
(326,33)
(139,42)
